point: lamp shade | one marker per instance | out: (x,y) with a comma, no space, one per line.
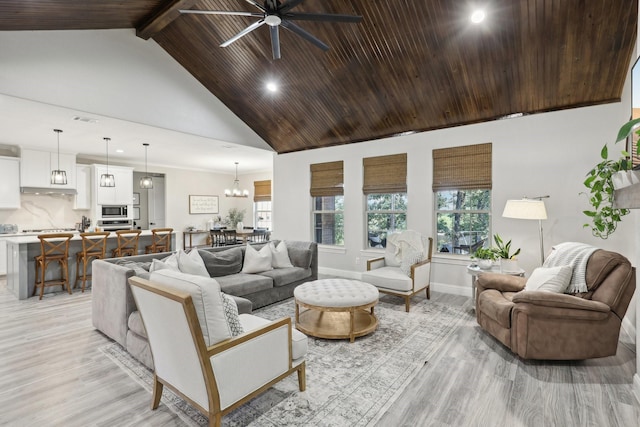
(525,209)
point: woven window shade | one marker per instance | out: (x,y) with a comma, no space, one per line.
(462,168)
(385,174)
(262,191)
(327,179)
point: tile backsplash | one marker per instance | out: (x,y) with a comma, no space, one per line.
(43,211)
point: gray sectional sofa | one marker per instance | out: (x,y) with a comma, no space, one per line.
(114,312)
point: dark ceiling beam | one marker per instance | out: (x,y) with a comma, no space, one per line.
(164,15)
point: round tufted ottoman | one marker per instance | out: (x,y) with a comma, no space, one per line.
(336,308)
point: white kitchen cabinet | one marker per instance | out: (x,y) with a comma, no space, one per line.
(3,257)
(84,175)
(9,183)
(36,167)
(122,193)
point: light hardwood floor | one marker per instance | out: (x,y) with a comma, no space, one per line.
(52,374)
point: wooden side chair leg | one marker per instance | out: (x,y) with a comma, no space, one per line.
(428,291)
(407,303)
(65,274)
(157,392)
(43,268)
(302,377)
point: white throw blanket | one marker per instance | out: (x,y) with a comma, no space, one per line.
(402,241)
(576,255)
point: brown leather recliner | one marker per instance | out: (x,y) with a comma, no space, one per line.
(553,326)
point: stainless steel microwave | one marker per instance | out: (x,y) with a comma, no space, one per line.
(119,211)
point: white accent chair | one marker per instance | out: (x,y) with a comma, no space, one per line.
(386,273)
(222,377)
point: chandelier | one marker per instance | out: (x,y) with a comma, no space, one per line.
(146,182)
(235,190)
(58,176)
(107,179)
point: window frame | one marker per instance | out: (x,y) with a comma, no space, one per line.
(386,211)
(256,212)
(315,212)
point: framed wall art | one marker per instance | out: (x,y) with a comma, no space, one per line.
(203,204)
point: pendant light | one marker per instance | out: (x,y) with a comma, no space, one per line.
(107,179)
(146,182)
(58,176)
(235,190)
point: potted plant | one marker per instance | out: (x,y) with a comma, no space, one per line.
(603,180)
(508,261)
(485,257)
(234,217)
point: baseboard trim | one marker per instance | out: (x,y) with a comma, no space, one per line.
(636,386)
(355,275)
(629,329)
(451,289)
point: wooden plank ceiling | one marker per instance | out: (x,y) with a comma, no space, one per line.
(410,65)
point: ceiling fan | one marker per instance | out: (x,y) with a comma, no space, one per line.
(276,14)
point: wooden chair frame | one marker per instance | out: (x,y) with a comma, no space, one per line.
(215,412)
(94,246)
(127,243)
(217,237)
(53,248)
(160,241)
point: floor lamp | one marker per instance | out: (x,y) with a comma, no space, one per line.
(528,208)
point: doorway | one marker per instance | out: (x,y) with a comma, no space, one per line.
(151,208)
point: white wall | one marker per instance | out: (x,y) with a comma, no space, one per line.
(532,155)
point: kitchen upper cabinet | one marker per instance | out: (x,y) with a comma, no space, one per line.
(83,186)
(122,193)
(9,183)
(37,165)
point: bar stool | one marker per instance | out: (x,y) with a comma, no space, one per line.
(94,246)
(53,248)
(160,241)
(127,243)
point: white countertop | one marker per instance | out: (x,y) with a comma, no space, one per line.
(31,237)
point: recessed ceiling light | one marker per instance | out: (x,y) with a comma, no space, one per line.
(272,87)
(119,150)
(477,16)
(84,119)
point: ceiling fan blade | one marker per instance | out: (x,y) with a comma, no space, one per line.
(304,34)
(221,12)
(323,17)
(272,5)
(243,32)
(275,41)
(289,5)
(256,4)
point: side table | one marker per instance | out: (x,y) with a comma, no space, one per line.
(191,233)
(474,271)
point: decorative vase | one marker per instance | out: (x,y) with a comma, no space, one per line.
(508,265)
(485,264)
(623,179)
(239,226)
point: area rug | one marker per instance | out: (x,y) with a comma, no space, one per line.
(347,383)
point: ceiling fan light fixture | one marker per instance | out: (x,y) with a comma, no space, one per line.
(272,20)
(272,87)
(478,16)
(58,176)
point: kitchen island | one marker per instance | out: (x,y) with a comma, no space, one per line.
(22,250)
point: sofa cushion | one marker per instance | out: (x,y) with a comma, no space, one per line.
(497,306)
(256,261)
(280,255)
(207,300)
(135,324)
(388,277)
(191,263)
(298,339)
(284,276)
(244,284)
(300,257)
(550,279)
(139,268)
(222,263)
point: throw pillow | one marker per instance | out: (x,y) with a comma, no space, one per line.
(410,257)
(191,263)
(300,256)
(207,300)
(257,261)
(223,263)
(157,265)
(231,314)
(550,279)
(280,255)
(392,256)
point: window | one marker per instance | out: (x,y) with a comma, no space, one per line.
(385,188)
(327,192)
(462,191)
(262,204)
(386,213)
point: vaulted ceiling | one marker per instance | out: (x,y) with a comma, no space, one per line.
(410,65)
